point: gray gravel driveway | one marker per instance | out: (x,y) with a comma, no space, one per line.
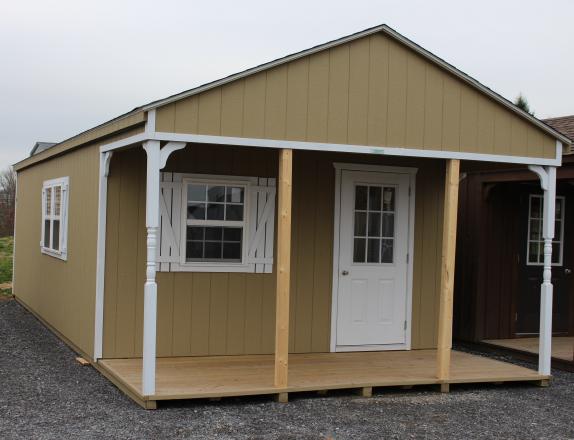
(46,394)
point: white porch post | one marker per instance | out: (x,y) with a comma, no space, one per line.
(548,182)
(152,149)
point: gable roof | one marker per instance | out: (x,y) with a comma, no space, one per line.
(41,146)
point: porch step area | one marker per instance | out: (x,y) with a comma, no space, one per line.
(222,376)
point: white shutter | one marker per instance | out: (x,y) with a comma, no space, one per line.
(170,220)
(261,225)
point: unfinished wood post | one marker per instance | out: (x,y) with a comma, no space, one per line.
(444,343)
(152,149)
(283,268)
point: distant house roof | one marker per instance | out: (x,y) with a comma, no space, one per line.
(41,146)
(564,124)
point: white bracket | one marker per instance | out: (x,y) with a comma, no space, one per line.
(542,174)
(166,151)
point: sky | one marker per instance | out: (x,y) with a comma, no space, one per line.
(68,65)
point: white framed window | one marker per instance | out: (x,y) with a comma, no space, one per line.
(212,223)
(55,217)
(535,242)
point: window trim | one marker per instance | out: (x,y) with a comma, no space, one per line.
(215,266)
(560,242)
(62,252)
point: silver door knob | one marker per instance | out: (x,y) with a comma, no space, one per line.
(567,271)
(345,272)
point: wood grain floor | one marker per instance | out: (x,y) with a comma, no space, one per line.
(220,376)
(562,346)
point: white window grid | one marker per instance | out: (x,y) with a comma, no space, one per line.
(51,212)
(540,239)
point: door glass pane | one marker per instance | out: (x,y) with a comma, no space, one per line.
(558,211)
(389,199)
(557,230)
(373,250)
(535,225)
(555,252)
(387,251)
(535,207)
(361,197)
(374,198)
(46,233)
(359,250)
(374,224)
(533,248)
(360,224)
(56,235)
(388,225)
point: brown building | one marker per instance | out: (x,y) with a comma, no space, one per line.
(288,228)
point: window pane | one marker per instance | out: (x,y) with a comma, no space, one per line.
(232,251)
(387,251)
(48,201)
(195,233)
(195,193)
(361,224)
(234,194)
(214,234)
(359,250)
(234,212)
(535,226)
(57,199)
(361,197)
(56,235)
(533,248)
(232,234)
(374,198)
(46,233)
(215,193)
(558,211)
(555,252)
(373,250)
(374,224)
(535,207)
(389,199)
(196,211)
(215,211)
(212,250)
(194,250)
(557,230)
(388,225)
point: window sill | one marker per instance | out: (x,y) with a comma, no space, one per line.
(59,255)
(211,267)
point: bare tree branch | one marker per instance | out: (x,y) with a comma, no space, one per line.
(7,201)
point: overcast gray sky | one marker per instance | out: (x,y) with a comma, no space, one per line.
(68,65)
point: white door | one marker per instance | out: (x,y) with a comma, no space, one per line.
(373,246)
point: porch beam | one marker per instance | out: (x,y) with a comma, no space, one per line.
(153,152)
(444,343)
(283,268)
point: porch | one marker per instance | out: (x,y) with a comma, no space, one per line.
(528,348)
(224,376)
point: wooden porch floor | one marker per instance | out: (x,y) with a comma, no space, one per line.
(221,376)
(562,346)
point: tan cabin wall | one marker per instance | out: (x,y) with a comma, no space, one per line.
(372,91)
(234,313)
(61,292)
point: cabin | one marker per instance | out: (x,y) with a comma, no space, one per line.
(499,255)
(288,228)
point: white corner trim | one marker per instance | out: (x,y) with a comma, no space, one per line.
(150,121)
(321,146)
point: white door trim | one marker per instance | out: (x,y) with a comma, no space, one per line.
(339,168)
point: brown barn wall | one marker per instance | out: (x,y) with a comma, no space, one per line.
(221,313)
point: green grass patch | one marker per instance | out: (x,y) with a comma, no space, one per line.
(6,248)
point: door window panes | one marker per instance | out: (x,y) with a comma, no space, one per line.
(535,245)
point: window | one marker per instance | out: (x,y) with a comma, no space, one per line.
(374,224)
(215,221)
(54,217)
(535,246)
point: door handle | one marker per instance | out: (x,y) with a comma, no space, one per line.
(345,272)
(567,271)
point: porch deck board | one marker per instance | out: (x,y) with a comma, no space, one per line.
(221,376)
(562,346)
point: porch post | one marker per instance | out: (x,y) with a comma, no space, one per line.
(283,268)
(152,149)
(444,344)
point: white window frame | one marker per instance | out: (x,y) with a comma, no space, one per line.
(215,266)
(62,251)
(541,241)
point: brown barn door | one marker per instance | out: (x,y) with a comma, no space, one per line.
(527,300)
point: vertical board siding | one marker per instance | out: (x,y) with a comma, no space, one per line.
(234,313)
(371,91)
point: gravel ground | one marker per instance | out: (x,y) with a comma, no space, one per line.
(46,394)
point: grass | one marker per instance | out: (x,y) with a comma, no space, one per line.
(6,246)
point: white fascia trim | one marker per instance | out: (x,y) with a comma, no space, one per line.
(318,146)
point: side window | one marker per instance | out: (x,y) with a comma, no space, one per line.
(55,217)
(535,245)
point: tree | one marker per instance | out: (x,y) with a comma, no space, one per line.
(7,201)
(522,103)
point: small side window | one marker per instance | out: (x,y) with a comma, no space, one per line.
(55,217)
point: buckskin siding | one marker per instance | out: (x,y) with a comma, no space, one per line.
(224,314)
(372,91)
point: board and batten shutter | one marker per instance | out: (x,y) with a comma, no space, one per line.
(261,225)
